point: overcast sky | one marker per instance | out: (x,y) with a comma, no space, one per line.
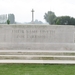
(22,8)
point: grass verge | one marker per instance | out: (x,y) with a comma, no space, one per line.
(36,69)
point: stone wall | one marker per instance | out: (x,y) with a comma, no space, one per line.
(35,33)
(28,36)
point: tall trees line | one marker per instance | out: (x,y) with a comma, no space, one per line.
(51,18)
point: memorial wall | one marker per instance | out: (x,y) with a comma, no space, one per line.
(37,37)
(36,34)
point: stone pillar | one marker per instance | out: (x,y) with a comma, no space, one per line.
(32,16)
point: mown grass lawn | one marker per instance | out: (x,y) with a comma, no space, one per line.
(36,69)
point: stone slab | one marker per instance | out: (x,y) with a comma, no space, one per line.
(36,33)
(38,37)
(39,61)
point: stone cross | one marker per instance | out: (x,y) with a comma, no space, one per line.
(32,16)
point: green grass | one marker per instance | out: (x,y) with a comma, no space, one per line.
(36,69)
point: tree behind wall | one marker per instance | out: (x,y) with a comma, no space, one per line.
(8,22)
(64,20)
(49,17)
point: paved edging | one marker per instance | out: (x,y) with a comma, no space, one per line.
(38,61)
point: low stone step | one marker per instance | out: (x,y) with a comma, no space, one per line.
(39,61)
(36,57)
(36,52)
